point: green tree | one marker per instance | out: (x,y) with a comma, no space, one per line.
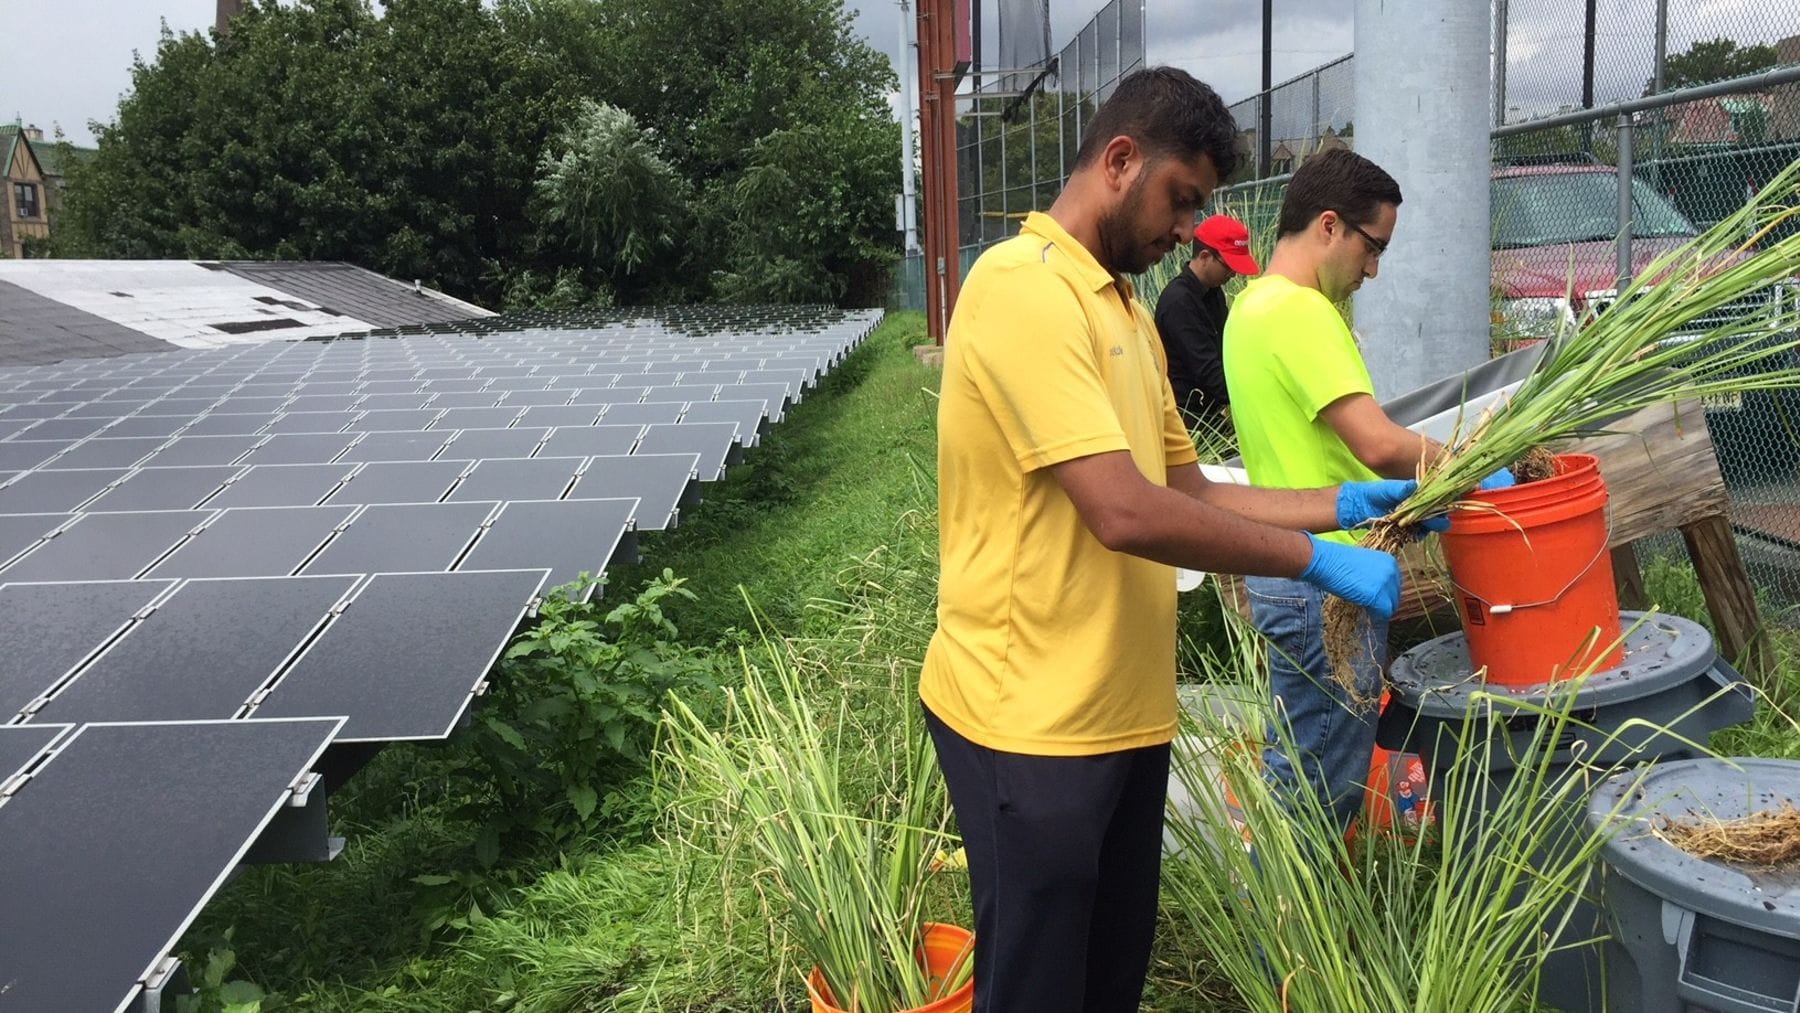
(606,193)
(1718,59)
(410,142)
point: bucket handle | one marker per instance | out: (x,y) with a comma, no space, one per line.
(1724,996)
(1500,610)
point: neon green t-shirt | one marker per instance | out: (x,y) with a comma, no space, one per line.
(1288,355)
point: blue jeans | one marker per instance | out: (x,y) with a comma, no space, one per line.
(1333,738)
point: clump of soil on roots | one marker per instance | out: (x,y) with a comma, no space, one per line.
(1537,464)
(1767,838)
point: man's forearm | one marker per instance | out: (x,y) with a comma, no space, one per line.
(1294,509)
(1175,527)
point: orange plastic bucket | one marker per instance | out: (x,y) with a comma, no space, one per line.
(1534,579)
(944,949)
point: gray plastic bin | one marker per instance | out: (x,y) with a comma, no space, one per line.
(1691,933)
(1672,678)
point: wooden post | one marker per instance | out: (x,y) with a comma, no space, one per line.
(1730,599)
(1629,577)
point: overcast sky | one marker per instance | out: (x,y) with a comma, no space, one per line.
(74,60)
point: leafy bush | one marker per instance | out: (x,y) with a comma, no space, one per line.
(573,714)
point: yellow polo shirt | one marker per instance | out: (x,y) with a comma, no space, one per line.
(1048,642)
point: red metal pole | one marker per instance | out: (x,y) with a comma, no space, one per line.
(937,155)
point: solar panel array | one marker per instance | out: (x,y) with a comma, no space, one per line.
(219,569)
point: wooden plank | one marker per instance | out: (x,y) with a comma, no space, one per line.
(1660,471)
(1629,577)
(1729,597)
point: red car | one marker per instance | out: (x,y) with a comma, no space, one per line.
(1554,256)
(1555,261)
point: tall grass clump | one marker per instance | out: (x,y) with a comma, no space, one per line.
(1458,914)
(833,812)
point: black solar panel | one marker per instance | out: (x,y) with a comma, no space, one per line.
(281,485)
(570,538)
(300,448)
(187,450)
(659,482)
(422,446)
(585,441)
(47,491)
(203,653)
(21,745)
(49,629)
(538,478)
(256,542)
(651,413)
(108,453)
(401,482)
(136,867)
(106,546)
(714,442)
(459,623)
(403,538)
(163,489)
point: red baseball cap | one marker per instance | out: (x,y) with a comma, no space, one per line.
(1227,237)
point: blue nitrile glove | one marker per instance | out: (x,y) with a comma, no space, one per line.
(1361,576)
(1361,502)
(1498,480)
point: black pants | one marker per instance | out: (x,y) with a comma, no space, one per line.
(1065,854)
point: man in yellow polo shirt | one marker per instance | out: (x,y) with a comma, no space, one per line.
(1306,416)
(1068,493)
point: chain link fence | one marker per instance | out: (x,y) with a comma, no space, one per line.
(1018,132)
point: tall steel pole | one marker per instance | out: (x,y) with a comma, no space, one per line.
(1427,314)
(1264,118)
(1500,20)
(908,198)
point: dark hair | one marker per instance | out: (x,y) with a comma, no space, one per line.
(1337,180)
(1167,112)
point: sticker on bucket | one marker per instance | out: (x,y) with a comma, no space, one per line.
(1477,614)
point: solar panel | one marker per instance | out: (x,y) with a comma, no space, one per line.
(237,424)
(19,532)
(49,629)
(659,482)
(394,402)
(163,488)
(403,538)
(585,441)
(66,429)
(36,492)
(148,425)
(313,422)
(16,455)
(530,398)
(469,399)
(400,482)
(300,448)
(569,537)
(653,413)
(478,418)
(563,415)
(537,478)
(483,443)
(135,868)
(281,485)
(459,624)
(107,453)
(251,542)
(185,450)
(713,441)
(398,446)
(202,653)
(396,420)
(751,417)
(21,745)
(106,546)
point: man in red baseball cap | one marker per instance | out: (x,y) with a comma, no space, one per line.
(1190,315)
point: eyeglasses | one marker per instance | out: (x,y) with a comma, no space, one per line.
(1377,246)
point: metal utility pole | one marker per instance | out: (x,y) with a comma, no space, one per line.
(1500,20)
(1263,117)
(938,72)
(1427,315)
(908,198)
(1587,58)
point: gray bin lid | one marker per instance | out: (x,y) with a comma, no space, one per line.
(1437,679)
(1759,898)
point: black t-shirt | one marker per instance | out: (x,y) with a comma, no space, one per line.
(1191,319)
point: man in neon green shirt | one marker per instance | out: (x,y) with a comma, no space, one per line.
(1306,416)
